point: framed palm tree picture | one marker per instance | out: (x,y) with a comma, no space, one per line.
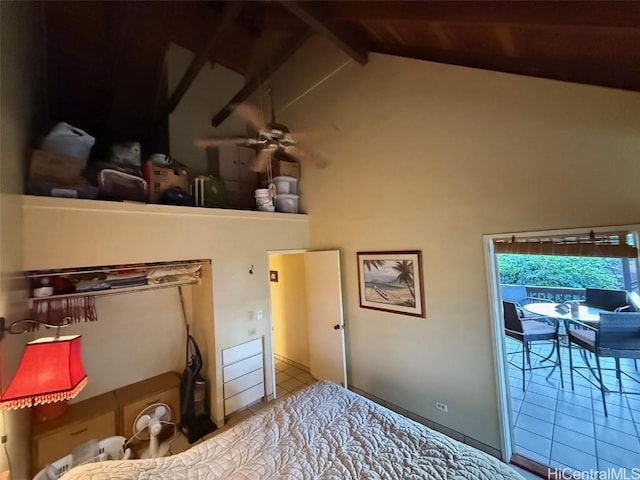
(392,282)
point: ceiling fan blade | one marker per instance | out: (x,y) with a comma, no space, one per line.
(260,163)
(216,142)
(251,115)
(306,156)
(312,134)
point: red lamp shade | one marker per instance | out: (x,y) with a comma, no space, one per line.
(50,371)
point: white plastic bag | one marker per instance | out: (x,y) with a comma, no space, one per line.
(67,140)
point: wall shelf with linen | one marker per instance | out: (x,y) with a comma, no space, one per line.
(56,294)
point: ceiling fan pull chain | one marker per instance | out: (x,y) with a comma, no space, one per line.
(272,186)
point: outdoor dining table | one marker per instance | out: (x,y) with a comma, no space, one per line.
(583,315)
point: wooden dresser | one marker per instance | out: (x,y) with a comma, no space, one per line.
(243,375)
(112,413)
(93,418)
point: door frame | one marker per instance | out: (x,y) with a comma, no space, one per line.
(497,322)
(273,353)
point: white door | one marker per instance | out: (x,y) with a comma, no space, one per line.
(324,316)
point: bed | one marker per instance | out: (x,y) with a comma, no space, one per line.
(323,431)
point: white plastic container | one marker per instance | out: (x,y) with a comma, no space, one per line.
(287,203)
(264,200)
(67,140)
(286,185)
(109,449)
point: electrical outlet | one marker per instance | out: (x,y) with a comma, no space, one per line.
(259,314)
(253,331)
(3,439)
(442,406)
(250,315)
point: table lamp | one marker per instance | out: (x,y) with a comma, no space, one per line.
(50,373)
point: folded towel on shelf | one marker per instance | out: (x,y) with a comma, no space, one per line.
(174,274)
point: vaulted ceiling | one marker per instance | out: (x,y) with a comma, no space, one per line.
(106,61)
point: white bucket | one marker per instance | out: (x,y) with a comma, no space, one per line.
(286,185)
(263,200)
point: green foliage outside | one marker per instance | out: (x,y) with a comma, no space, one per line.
(555,271)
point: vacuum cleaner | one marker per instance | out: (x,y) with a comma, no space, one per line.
(195,421)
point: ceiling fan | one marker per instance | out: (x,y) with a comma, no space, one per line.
(271,138)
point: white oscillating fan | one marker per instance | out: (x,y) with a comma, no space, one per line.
(148,425)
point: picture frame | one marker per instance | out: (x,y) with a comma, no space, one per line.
(392,282)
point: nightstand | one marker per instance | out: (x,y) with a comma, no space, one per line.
(94,418)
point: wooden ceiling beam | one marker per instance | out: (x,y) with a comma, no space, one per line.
(590,73)
(551,13)
(229,14)
(346,40)
(268,68)
(191,27)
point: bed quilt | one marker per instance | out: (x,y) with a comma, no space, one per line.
(321,432)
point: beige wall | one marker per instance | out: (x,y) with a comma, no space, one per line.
(432,157)
(210,91)
(289,308)
(105,233)
(150,328)
(21,103)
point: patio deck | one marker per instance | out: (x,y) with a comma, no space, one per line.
(567,429)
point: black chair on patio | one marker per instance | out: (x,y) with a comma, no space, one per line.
(617,336)
(518,295)
(527,332)
(610,300)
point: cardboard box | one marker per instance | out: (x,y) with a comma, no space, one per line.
(285,168)
(54,167)
(240,195)
(161,177)
(231,162)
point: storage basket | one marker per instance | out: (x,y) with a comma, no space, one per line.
(286,185)
(109,449)
(287,203)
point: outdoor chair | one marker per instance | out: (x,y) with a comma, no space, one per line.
(518,295)
(610,300)
(617,336)
(527,332)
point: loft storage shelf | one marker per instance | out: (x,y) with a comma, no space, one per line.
(55,203)
(112,280)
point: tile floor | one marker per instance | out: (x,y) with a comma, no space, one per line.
(567,429)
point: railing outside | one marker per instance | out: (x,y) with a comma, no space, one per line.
(556,294)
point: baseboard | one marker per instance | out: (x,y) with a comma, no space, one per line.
(431,424)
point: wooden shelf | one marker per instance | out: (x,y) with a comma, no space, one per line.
(54,203)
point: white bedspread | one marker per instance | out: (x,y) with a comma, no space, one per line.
(324,431)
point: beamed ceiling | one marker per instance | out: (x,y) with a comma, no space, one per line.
(106,61)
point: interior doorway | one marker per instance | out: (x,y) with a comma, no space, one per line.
(307,323)
(289,323)
(592,421)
